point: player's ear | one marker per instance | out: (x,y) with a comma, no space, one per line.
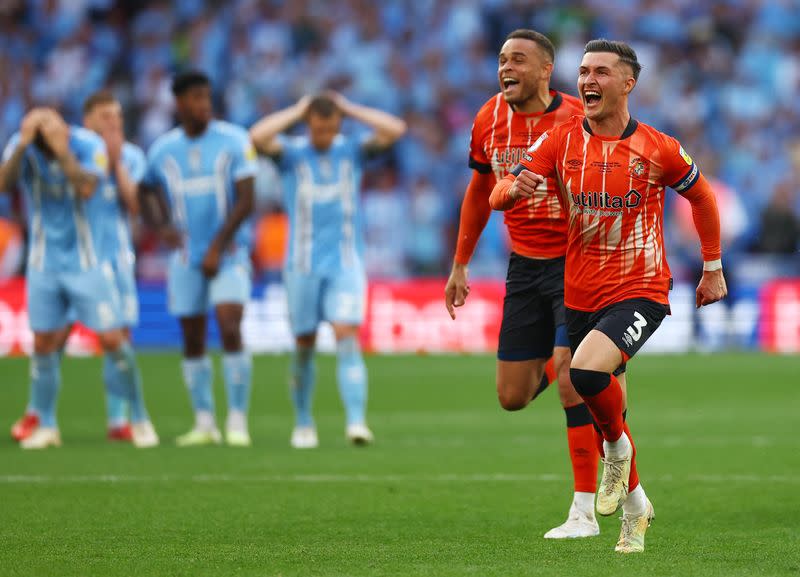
(630,83)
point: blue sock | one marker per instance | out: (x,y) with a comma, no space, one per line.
(352,376)
(45,382)
(116,405)
(301,384)
(198,376)
(124,380)
(237,368)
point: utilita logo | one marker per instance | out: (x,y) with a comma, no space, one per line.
(603,200)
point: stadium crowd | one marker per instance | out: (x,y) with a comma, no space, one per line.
(722,77)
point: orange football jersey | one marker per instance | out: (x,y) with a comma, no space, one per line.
(500,136)
(614,190)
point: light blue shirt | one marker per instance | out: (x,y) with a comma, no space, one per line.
(322,198)
(65,232)
(199,177)
(117,244)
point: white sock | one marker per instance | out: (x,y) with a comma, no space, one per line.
(636,503)
(205,421)
(584,502)
(619,448)
(237,421)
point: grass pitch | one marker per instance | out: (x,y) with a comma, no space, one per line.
(454,486)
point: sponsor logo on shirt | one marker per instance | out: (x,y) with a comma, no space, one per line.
(604,204)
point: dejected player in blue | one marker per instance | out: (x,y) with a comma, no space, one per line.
(324,273)
(205,169)
(60,170)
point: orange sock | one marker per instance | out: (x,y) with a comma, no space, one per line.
(582,451)
(550,371)
(603,395)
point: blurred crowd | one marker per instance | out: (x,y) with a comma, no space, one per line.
(723,77)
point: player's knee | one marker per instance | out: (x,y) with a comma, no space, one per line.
(512,398)
(45,343)
(111,340)
(589,383)
(231,336)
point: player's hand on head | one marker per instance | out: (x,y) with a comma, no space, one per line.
(55,132)
(712,288)
(456,290)
(525,184)
(30,125)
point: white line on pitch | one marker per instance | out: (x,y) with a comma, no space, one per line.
(359,478)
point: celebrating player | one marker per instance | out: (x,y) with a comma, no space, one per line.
(207,169)
(60,169)
(533,310)
(324,274)
(613,173)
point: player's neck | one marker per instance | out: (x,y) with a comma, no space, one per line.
(539,102)
(194,130)
(611,126)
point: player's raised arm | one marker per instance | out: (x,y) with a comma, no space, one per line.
(56,135)
(510,189)
(15,151)
(388,128)
(264,133)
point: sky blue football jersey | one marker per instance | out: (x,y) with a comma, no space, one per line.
(199,176)
(116,227)
(64,230)
(322,199)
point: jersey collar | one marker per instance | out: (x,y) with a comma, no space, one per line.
(633,124)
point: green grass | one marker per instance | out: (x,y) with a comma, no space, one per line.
(453,486)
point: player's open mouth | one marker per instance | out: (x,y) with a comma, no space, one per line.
(591,97)
(509,82)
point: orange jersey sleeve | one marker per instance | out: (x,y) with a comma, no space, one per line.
(475,212)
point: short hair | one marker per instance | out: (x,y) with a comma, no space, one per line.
(323,105)
(534,36)
(187,80)
(98,98)
(624,51)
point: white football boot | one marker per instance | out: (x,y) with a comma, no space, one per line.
(631,537)
(579,524)
(359,434)
(304,438)
(41,438)
(144,435)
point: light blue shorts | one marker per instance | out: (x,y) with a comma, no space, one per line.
(89,297)
(125,280)
(191,294)
(337,298)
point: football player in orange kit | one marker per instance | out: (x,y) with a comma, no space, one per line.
(613,173)
(533,309)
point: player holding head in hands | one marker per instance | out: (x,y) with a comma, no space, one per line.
(204,171)
(534,325)
(324,273)
(614,172)
(61,170)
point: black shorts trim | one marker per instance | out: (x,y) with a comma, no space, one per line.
(533,308)
(629,324)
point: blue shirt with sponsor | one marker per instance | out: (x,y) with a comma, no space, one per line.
(199,176)
(65,230)
(322,197)
(117,244)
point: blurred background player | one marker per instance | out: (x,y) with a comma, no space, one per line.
(533,311)
(324,274)
(102,113)
(60,169)
(205,170)
(617,278)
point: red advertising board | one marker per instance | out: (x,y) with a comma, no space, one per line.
(780,316)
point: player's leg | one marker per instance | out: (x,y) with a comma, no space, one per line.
(47,314)
(229,291)
(343,304)
(94,298)
(303,296)
(526,336)
(187,292)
